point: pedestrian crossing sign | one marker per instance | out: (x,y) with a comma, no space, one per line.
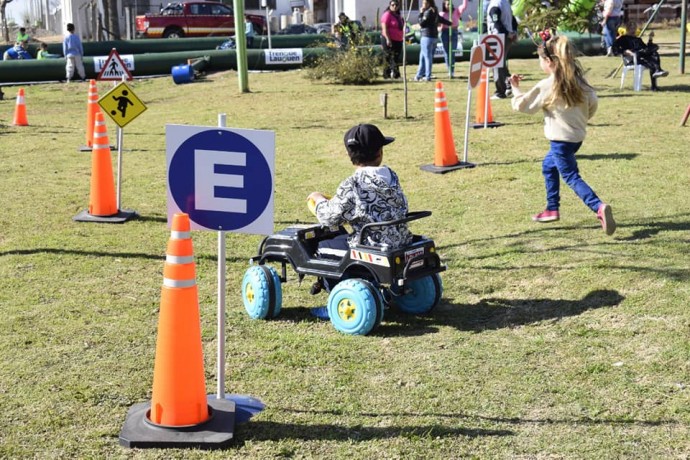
(114,68)
(121,104)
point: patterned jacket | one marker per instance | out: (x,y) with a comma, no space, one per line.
(371,194)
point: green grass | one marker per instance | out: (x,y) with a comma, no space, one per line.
(551,341)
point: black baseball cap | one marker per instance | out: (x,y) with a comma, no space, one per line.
(366,138)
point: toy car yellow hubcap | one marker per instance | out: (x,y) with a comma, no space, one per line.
(250,293)
(346,310)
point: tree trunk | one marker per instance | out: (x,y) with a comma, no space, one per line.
(113,19)
(3,20)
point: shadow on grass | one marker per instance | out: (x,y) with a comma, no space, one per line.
(274,431)
(114,255)
(508,420)
(494,313)
(592,157)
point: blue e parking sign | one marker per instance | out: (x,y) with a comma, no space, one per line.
(221,177)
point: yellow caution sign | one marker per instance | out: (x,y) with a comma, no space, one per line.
(121,104)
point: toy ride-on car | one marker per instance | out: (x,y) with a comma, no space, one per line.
(367,278)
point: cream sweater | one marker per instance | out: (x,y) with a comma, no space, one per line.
(561,123)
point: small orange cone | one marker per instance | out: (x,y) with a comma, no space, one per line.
(179,414)
(20,110)
(92,108)
(445,155)
(483,113)
(102,201)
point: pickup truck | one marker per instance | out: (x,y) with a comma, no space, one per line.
(193,19)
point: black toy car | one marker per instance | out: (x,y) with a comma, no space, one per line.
(369,278)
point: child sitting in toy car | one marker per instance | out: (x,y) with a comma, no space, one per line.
(372,194)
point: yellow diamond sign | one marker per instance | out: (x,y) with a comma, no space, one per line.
(121,104)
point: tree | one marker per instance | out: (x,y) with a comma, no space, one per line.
(113,19)
(571,15)
(3,19)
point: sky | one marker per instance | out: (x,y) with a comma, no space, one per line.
(17,8)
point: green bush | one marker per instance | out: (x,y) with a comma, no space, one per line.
(357,64)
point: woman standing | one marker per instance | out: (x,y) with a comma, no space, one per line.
(392,36)
(428,20)
(613,18)
(449,34)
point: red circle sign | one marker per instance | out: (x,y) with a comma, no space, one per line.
(476,67)
(494,50)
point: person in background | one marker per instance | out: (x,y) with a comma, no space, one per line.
(612,19)
(428,21)
(43,52)
(249,31)
(449,34)
(18,51)
(22,36)
(499,20)
(345,31)
(73,51)
(392,36)
(567,101)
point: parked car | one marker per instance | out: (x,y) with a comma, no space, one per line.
(297,29)
(323,27)
(193,19)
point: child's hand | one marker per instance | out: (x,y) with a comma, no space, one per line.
(515,80)
(316,197)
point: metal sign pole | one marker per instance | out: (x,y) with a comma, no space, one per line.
(120,136)
(486,100)
(221,298)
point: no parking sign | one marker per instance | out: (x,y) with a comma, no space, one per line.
(222,177)
(494,45)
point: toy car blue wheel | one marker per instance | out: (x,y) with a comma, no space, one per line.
(355,307)
(262,292)
(424,294)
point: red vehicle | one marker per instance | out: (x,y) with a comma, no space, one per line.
(193,19)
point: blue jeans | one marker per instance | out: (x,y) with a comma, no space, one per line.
(426,57)
(450,43)
(611,30)
(560,160)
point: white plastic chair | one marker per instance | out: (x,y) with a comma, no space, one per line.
(637,69)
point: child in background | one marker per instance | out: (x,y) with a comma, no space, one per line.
(43,52)
(568,102)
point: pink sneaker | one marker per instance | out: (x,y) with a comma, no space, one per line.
(605,215)
(546,216)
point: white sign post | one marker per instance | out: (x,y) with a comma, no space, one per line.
(476,69)
(494,46)
(223,178)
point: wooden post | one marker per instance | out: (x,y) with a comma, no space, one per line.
(384,104)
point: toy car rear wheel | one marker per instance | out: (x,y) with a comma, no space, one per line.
(262,292)
(424,294)
(355,307)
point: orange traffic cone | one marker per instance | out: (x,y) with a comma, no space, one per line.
(20,110)
(445,156)
(92,108)
(179,414)
(179,386)
(483,114)
(102,202)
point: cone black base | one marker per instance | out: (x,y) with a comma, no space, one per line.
(444,169)
(216,433)
(492,124)
(123,215)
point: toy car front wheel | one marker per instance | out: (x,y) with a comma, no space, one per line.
(262,292)
(424,294)
(355,307)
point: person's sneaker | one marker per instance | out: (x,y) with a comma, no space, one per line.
(498,96)
(605,215)
(546,216)
(660,73)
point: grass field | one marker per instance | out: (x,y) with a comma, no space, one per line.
(551,341)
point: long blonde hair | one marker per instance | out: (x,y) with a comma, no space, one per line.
(569,77)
